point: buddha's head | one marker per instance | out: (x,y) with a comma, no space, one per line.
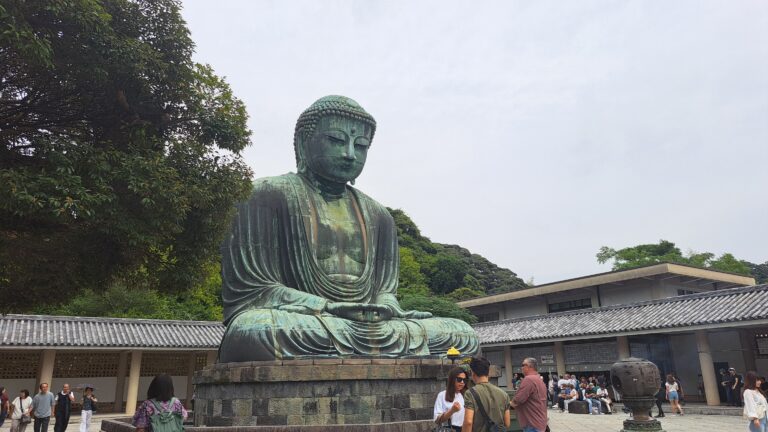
(332,138)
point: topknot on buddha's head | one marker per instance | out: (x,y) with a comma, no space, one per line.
(329,105)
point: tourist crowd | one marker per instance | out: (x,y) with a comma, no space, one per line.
(40,408)
(592,389)
(485,407)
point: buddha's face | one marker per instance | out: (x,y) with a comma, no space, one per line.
(338,148)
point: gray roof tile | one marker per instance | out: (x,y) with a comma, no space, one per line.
(710,308)
(81,332)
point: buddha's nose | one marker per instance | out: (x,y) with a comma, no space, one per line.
(349,152)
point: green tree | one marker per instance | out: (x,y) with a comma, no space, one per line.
(119,155)
(122,299)
(412,281)
(759,271)
(666,251)
(464,293)
(438,306)
(446,273)
(640,255)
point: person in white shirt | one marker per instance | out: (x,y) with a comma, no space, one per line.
(755,405)
(20,407)
(449,405)
(570,396)
(673,393)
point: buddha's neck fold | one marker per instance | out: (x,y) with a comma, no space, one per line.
(328,189)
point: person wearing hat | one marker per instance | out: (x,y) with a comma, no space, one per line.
(89,406)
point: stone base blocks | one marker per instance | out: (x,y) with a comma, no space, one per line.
(318,392)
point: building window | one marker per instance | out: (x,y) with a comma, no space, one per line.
(489,316)
(570,305)
(761,343)
(681,292)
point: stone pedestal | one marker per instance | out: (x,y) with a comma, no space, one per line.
(318,392)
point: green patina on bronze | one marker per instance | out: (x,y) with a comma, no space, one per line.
(311,265)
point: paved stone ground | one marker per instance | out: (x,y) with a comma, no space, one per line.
(74,424)
(564,422)
(558,422)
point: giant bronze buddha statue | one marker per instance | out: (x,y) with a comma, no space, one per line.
(311,265)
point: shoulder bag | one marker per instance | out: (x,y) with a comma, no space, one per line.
(25,418)
(492,426)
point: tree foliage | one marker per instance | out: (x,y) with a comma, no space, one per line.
(666,251)
(119,156)
(124,300)
(438,306)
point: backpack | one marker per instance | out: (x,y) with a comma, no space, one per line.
(165,421)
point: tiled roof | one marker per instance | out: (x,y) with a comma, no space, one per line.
(714,308)
(26,331)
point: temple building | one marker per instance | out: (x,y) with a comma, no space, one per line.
(690,321)
(119,356)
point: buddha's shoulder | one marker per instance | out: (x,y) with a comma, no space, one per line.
(282,185)
(373,206)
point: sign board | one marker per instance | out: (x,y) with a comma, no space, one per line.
(547,359)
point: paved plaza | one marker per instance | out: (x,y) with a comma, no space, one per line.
(559,422)
(564,422)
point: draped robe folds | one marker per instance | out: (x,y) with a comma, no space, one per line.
(275,292)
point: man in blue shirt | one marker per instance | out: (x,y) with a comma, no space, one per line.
(42,407)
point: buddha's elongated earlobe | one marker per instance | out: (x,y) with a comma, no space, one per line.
(301,161)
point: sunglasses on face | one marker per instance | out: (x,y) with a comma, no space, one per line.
(461,380)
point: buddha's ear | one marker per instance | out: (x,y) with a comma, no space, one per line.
(301,152)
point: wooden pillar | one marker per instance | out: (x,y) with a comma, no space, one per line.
(211,358)
(45,372)
(508,365)
(122,369)
(560,358)
(190,375)
(707,368)
(622,343)
(133,383)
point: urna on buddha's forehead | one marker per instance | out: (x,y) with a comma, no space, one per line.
(332,105)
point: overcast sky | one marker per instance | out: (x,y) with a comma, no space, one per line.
(530,132)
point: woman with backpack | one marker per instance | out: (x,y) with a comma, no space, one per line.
(161,412)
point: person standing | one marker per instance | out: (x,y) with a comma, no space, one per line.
(449,405)
(3,405)
(160,400)
(673,395)
(485,404)
(728,383)
(530,401)
(553,389)
(89,406)
(20,407)
(755,405)
(42,408)
(63,410)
